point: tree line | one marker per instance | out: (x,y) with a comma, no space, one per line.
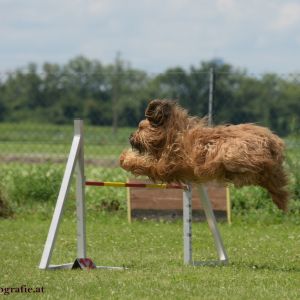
(117,94)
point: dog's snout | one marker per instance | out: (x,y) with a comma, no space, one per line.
(135,143)
(131,140)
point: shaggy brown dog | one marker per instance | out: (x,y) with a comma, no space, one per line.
(171,146)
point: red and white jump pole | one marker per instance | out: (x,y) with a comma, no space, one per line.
(136,185)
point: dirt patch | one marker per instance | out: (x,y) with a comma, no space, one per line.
(112,163)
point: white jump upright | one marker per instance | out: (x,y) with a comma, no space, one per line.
(76,150)
(187,226)
(187,229)
(75,159)
(76,163)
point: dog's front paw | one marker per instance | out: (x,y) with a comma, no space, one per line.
(122,158)
(125,159)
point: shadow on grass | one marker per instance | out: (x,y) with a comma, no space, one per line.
(267,267)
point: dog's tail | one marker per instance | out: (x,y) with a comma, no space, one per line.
(280,198)
(276,183)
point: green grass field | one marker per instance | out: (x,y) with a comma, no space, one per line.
(264,260)
(263,244)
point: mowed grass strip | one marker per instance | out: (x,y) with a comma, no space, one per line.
(60,134)
(48,141)
(59,151)
(264,260)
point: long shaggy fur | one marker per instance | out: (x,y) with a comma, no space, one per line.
(170,146)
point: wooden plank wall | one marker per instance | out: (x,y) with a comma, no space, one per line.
(149,203)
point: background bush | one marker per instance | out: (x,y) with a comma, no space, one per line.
(35,187)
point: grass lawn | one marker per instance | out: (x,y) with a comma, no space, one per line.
(264,254)
(264,260)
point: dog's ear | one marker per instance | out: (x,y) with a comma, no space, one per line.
(158,111)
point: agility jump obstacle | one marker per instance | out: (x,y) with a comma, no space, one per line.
(75,163)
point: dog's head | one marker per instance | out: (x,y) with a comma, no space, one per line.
(154,132)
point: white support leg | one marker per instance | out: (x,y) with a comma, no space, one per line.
(212,223)
(46,257)
(75,159)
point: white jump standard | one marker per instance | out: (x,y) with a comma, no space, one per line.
(76,163)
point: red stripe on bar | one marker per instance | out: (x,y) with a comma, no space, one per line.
(137,185)
(94,183)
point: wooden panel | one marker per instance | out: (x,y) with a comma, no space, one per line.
(171,199)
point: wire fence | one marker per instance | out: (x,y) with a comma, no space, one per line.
(37,109)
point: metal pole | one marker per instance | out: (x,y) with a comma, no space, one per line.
(187,226)
(80,192)
(211,96)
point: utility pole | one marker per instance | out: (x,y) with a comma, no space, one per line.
(211,96)
(116,86)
